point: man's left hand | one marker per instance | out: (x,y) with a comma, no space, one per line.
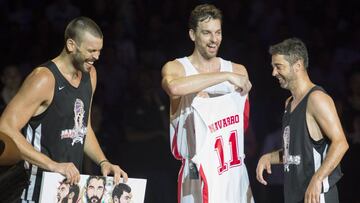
(312,194)
(109,168)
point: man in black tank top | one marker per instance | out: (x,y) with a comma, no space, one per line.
(313,138)
(49,117)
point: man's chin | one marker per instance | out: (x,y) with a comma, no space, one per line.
(85,68)
(95,200)
(210,55)
(284,86)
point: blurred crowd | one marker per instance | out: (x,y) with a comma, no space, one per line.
(130,110)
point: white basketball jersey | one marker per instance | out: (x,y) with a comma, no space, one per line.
(185,143)
(219,126)
(182,137)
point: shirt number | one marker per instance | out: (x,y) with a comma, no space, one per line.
(219,148)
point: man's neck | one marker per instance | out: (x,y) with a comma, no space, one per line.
(301,87)
(65,66)
(204,64)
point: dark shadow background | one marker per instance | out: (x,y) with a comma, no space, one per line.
(130,110)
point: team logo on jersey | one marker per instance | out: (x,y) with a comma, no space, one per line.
(78,133)
(287,158)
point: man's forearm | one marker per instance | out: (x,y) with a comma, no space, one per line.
(26,151)
(196,83)
(92,148)
(333,158)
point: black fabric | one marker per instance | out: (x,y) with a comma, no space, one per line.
(301,152)
(13,180)
(60,131)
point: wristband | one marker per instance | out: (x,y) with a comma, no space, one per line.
(103,161)
(281,156)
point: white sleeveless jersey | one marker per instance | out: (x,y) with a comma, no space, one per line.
(184,144)
(181,124)
(219,123)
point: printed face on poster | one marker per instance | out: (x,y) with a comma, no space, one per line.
(91,189)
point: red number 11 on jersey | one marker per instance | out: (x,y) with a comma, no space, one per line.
(219,148)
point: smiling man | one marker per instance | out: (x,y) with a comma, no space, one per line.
(203,74)
(48,119)
(313,139)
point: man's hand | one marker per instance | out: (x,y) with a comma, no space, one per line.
(203,94)
(312,194)
(264,163)
(69,170)
(241,82)
(108,168)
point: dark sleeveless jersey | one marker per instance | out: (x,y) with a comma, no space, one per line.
(303,156)
(60,131)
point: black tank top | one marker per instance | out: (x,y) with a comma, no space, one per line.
(60,131)
(302,155)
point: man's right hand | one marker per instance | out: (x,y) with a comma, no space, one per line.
(241,82)
(264,163)
(69,170)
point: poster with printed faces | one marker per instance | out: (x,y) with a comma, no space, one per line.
(91,189)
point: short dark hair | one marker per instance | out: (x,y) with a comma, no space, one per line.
(78,26)
(119,190)
(64,181)
(203,12)
(293,49)
(76,190)
(97,178)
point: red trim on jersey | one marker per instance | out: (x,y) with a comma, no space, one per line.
(205,192)
(246,115)
(180,175)
(174,148)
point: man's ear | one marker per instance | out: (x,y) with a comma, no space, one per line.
(192,34)
(298,65)
(71,194)
(70,45)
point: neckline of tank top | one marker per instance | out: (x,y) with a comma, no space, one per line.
(66,82)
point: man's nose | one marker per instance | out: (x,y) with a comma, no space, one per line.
(96,55)
(274,72)
(213,38)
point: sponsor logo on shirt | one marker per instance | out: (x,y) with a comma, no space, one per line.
(79,131)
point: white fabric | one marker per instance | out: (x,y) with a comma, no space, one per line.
(183,142)
(219,129)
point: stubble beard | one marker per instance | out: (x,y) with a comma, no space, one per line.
(79,63)
(208,55)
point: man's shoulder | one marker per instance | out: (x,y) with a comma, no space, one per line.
(41,73)
(236,66)
(173,66)
(319,102)
(175,62)
(239,68)
(40,77)
(317,96)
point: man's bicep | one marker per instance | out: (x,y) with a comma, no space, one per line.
(170,72)
(324,111)
(239,69)
(34,92)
